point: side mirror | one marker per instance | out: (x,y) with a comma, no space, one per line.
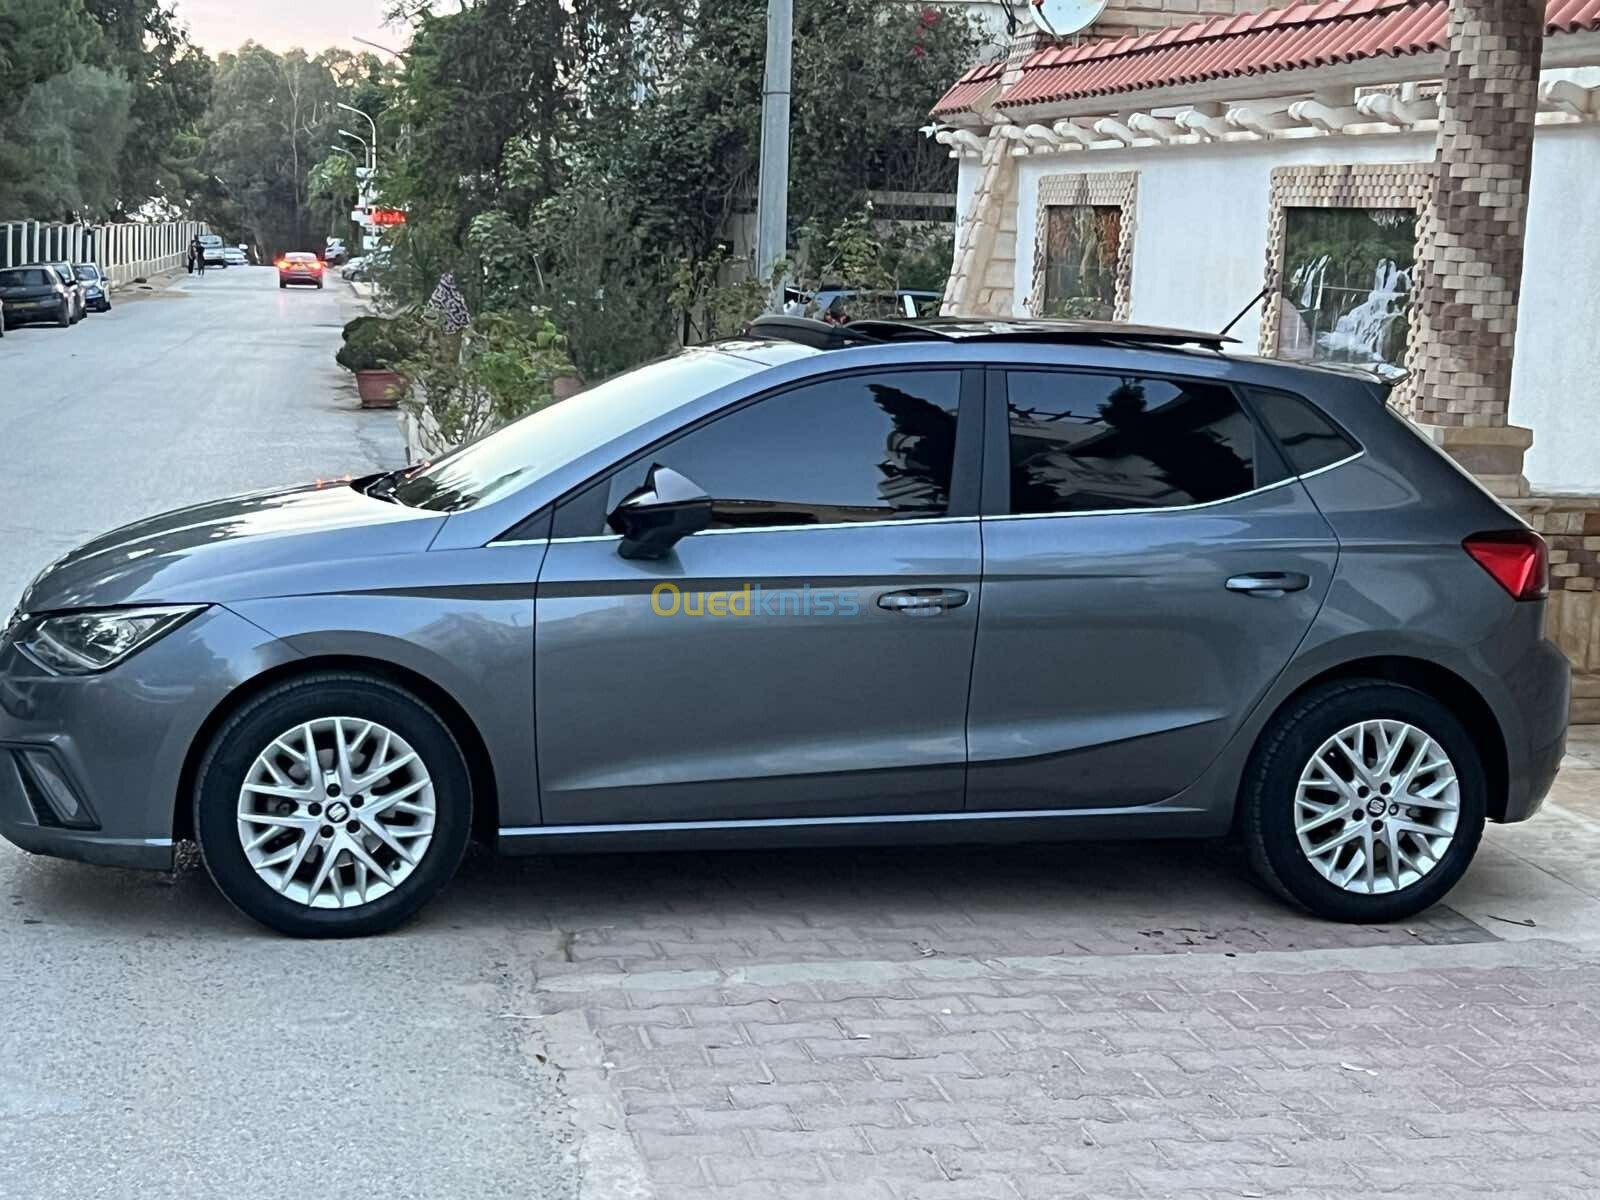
(654,519)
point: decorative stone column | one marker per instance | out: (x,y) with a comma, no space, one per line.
(983,276)
(1470,269)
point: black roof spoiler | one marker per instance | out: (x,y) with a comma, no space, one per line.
(825,336)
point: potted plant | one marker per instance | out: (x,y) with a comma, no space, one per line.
(373,348)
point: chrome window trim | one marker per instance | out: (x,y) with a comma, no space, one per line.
(617,537)
(1150,510)
(521,542)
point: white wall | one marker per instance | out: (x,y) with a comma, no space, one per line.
(1200,252)
(1555,383)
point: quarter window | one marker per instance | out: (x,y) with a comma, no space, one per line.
(1085,443)
(860,448)
(1309,440)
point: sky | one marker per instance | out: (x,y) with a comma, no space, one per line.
(311,24)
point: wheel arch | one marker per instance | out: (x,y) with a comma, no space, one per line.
(1463,700)
(480,770)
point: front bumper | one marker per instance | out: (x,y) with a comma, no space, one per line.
(118,740)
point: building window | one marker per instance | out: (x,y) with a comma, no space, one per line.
(1346,284)
(1081,248)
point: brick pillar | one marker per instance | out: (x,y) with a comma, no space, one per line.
(983,276)
(1470,272)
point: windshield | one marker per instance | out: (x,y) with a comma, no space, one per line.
(87,272)
(31,277)
(210,239)
(498,464)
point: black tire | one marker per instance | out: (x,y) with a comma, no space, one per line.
(250,730)
(282,285)
(1272,776)
(64,317)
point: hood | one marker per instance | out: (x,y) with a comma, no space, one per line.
(264,544)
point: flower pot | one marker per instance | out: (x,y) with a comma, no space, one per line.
(379,389)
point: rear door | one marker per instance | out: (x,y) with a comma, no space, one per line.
(808,656)
(1150,569)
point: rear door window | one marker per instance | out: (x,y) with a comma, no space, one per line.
(1085,442)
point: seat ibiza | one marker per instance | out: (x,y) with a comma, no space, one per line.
(888,582)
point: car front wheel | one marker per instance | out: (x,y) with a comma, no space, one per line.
(1364,802)
(333,806)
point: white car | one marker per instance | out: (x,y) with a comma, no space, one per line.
(234,256)
(216,254)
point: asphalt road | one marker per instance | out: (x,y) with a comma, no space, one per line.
(153,1043)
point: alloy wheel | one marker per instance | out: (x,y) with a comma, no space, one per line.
(1377,806)
(336,812)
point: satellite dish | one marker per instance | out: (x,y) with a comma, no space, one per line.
(1061,18)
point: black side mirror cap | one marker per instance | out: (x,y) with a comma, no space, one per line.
(655,518)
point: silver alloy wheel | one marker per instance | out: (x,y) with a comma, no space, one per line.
(1376,807)
(336,812)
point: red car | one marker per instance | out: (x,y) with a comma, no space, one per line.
(300,268)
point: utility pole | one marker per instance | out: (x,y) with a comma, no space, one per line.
(772,203)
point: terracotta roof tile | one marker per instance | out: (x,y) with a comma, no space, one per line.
(1275,39)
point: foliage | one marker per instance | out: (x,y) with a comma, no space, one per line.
(62,156)
(377,344)
(101,98)
(501,367)
(271,122)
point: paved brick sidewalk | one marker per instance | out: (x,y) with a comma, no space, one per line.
(1089,1021)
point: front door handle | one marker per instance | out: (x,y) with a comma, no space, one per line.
(922,602)
(1269,583)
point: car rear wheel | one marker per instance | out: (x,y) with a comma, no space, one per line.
(333,806)
(64,315)
(1364,802)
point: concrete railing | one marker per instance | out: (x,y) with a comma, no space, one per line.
(126,251)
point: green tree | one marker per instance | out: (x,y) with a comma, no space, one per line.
(171,82)
(272,119)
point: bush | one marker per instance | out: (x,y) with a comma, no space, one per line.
(501,367)
(376,344)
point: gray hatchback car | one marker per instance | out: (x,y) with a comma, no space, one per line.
(887,582)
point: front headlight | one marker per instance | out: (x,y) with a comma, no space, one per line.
(85,642)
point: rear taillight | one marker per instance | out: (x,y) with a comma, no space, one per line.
(1517,558)
(283,264)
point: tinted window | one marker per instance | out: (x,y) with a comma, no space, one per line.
(26,277)
(1082,443)
(862,448)
(516,454)
(1308,438)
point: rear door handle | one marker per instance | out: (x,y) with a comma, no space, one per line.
(1269,583)
(919,602)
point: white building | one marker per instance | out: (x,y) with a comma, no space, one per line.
(1198,150)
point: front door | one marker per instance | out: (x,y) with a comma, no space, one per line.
(808,656)
(1156,570)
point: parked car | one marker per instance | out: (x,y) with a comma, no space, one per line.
(80,305)
(894,581)
(300,267)
(234,256)
(335,252)
(213,249)
(36,293)
(96,287)
(355,269)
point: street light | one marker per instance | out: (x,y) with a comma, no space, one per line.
(373,151)
(357,137)
(346,150)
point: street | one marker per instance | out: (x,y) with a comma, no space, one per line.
(1105,1021)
